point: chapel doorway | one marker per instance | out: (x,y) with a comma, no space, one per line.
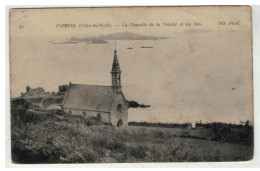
(99,117)
(119,123)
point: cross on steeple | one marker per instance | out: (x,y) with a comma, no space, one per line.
(115,45)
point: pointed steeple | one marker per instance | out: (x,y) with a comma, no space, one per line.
(116,74)
(115,66)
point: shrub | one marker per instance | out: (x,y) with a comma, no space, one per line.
(138,152)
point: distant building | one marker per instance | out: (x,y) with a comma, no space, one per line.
(63,89)
(107,103)
(34,91)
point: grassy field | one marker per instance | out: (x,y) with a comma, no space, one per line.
(51,136)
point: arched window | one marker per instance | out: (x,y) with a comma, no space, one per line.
(119,108)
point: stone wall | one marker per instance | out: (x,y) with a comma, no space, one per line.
(104,116)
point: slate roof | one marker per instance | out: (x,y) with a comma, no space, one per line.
(89,97)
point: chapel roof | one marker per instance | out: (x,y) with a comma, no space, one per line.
(89,97)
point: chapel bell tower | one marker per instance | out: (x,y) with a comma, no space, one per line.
(116,75)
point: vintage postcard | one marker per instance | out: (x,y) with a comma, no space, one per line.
(131,84)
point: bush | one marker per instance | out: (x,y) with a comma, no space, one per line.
(161,125)
(138,152)
(234,133)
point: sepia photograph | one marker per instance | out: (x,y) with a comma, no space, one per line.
(131,84)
